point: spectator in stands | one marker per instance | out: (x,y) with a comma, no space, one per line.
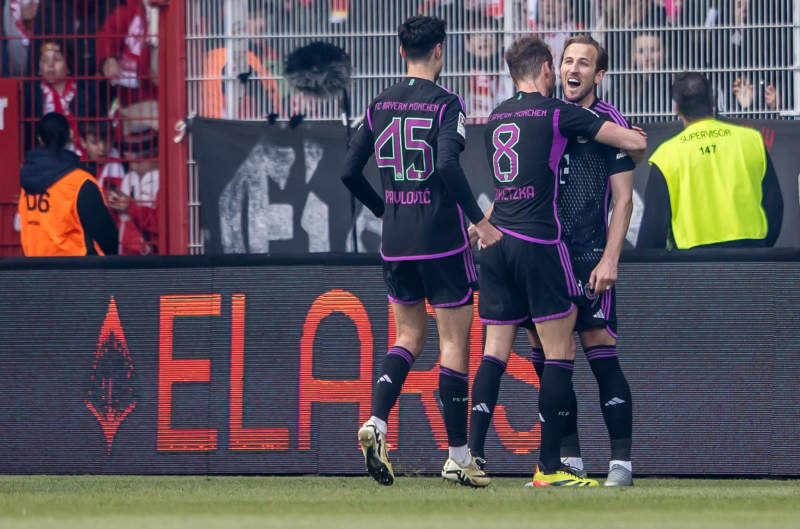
(738,49)
(136,200)
(18,16)
(713,184)
(61,209)
(58,92)
(556,23)
(127,51)
(484,61)
(102,158)
(645,92)
(258,94)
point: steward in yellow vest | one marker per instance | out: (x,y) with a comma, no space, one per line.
(61,209)
(715,179)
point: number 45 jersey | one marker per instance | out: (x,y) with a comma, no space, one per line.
(404,128)
(525,139)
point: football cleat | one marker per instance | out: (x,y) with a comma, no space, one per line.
(373,445)
(563,477)
(470,475)
(619,476)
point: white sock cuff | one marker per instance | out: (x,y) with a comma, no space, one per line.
(460,454)
(626,464)
(380,423)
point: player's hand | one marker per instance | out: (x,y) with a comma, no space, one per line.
(604,276)
(472,232)
(111,68)
(487,233)
(638,156)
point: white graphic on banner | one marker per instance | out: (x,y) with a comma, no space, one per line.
(267,221)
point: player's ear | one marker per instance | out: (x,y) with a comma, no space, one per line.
(598,76)
(438,51)
(402,53)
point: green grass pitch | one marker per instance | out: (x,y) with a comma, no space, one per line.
(177,502)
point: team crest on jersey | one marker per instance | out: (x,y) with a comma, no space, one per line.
(462,119)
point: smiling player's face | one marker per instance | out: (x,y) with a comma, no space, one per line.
(579,73)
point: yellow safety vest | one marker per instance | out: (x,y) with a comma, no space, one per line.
(714,172)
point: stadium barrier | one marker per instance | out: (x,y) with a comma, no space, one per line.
(254,176)
(265,365)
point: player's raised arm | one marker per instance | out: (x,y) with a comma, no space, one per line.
(358,154)
(622,138)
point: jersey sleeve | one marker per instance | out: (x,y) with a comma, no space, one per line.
(358,154)
(574,120)
(618,161)
(452,121)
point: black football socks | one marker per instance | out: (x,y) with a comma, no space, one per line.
(615,398)
(555,401)
(485,389)
(394,370)
(454,394)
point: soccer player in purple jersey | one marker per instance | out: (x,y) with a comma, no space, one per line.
(528,276)
(415,129)
(591,174)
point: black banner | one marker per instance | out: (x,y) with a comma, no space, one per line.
(267,188)
(153,366)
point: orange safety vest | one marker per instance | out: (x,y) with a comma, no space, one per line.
(213,98)
(49,222)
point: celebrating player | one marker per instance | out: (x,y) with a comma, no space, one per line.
(590,173)
(416,131)
(528,276)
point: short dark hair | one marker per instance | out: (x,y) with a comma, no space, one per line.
(526,56)
(53,131)
(99,129)
(602,54)
(419,35)
(693,94)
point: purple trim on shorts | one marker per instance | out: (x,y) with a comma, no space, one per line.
(450,373)
(369,119)
(606,304)
(402,352)
(463,229)
(612,333)
(525,237)
(569,274)
(454,303)
(504,322)
(494,359)
(401,302)
(555,316)
(611,109)
(441,114)
(557,149)
(558,363)
(469,265)
(537,354)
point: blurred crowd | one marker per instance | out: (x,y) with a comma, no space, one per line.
(96,63)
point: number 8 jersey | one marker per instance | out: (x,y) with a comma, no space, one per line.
(525,139)
(410,128)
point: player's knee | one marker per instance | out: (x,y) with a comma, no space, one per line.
(412,340)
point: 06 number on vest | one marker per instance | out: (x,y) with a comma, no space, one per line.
(37,201)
